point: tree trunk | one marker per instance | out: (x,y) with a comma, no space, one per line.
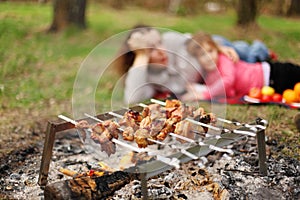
(68,12)
(294,8)
(246,12)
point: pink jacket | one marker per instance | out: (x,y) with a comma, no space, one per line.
(233,79)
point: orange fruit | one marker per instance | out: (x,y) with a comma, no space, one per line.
(289,96)
(297,90)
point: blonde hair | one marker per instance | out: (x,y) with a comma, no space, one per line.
(194,44)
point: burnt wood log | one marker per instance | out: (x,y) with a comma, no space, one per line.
(88,187)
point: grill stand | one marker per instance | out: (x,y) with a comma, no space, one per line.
(52,129)
(261,145)
(55,127)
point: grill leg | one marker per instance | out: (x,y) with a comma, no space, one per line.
(144,186)
(260,137)
(143,179)
(47,154)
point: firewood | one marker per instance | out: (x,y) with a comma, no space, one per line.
(88,187)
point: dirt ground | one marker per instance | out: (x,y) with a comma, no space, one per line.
(22,130)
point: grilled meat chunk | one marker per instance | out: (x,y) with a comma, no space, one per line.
(141,136)
(104,138)
(184,128)
(131,119)
(112,127)
(128,133)
(82,126)
(168,128)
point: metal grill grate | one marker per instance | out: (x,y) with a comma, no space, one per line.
(234,132)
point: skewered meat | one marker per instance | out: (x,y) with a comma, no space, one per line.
(141,136)
(146,123)
(198,112)
(182,111)
(148,129)
(98,128)
(104,139)
(154,111)
(206,119)
(168,128)
(131,118)
(172,103)
(103,133)
(156,126)
(112,128)
(145,112)
(184,128)
(155,122)
(128,133)
(81,127)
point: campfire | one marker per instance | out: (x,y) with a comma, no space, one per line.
(158,137)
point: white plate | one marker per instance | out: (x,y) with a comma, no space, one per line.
(255,100)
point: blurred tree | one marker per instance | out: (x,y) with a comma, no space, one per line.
(246,12)
(67,12)
(294,8)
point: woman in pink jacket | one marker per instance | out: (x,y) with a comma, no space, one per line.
(225,78)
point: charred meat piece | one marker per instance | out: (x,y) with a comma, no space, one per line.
(154,111)
(168,128)
(157,111)
(82,126)
(103,133)
(198,112)
(98,128)
(112,127)
(156,126)
(169,111)
(141,136)
(146,123)
(104,138)
(128,134)
(184,128)
(145,112)
(134,115)
(129,120)
(109,147)
(172,103)
(206,119)
(182,111)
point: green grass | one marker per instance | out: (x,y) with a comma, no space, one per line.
(38,68)
(28,52)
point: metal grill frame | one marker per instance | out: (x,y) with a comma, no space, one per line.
(55,127)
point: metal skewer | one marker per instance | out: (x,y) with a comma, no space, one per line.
(113,139)
(197,123)
(257,130)
(212,147)
(251,127)
(226,120)
(168,161)
(248,133)
(151,140)
(172,162)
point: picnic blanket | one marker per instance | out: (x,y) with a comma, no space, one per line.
(253,101)
(244,100)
